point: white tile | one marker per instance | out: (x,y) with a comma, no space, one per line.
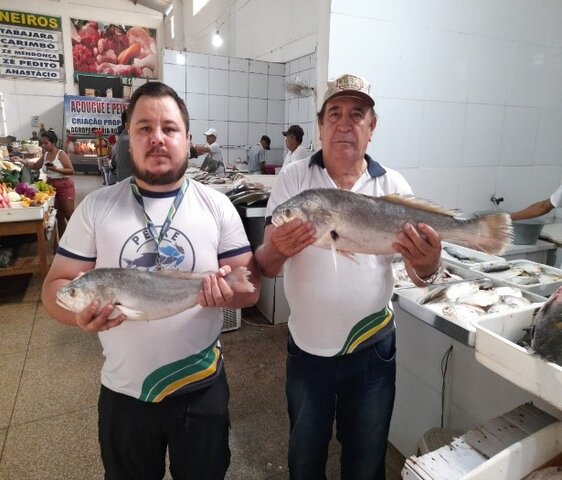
(197,80)
(238,109)
(274,132)
(218,82)
(442,134)
(174,57)
(513,186)
(448,59)
(239,64)
(549,139)
(222,131)
(174,76)
(519,135)
(216,61)
(304,110)
(397,138)
(277,69)
(482,135)
(255,131)
(526,73)
(257,110)
(275,111)
(258,66)
(196,59)
(238,84)
(196,128)
(490,65)
(276,87)
(237,133)
(476,187)
(293,112)
(453,15)
(552,78)
(292,67)
(197,106)
(218,107)
(258,85)
(304,63)
(440,185)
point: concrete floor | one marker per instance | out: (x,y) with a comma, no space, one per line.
(49,383)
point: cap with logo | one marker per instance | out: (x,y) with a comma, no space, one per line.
(211,131)
(296,131)
(348,85)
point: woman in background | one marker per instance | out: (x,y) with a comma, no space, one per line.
(58,168)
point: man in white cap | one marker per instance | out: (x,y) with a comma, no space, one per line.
(341,346)
(213,162)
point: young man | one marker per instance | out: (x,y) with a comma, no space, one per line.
(163,382)
(333,371)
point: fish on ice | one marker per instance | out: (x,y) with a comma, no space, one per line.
(142,295)
(349,222)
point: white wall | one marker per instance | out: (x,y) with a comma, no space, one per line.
(26,98)
(469,93)
(271,30)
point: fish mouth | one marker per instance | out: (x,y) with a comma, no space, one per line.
(61,303)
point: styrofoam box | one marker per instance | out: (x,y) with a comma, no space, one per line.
(544,289)
(476,257)
(21,214)
(523,457)
(496,349)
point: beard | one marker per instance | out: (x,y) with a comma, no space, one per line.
(168,178)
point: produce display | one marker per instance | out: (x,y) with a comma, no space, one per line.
(15,193)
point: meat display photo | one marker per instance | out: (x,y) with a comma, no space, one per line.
(109,49)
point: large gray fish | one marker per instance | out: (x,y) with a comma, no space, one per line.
(353,223)
(142,295)
(546,334)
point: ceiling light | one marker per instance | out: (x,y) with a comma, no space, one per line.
(217,40)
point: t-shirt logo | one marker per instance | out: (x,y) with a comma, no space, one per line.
(175,252)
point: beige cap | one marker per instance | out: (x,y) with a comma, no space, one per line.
(211,131)
(348,85)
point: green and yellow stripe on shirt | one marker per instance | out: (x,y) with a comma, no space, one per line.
(364,332)
(191,371)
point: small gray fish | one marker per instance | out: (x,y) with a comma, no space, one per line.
(546,334)
(142,295)
(349,222)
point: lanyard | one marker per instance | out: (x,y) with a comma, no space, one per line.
(167,222)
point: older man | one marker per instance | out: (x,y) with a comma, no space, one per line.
(332,370)
(213,162)
(163,382)
(293,141)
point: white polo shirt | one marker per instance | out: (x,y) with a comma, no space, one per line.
(556,198)
(336,311)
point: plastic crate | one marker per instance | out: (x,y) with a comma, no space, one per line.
(232,319)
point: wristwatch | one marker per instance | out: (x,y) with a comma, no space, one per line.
(433,277)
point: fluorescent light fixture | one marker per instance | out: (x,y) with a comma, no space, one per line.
(169,9)
(217,40)
(198,5)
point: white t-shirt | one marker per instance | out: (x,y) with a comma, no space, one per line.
(332,311)
(298,154)
(556,198)
(150,360)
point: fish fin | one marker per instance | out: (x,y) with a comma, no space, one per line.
(417,203)
(129,312)
(238,280)
(493,233)
(348,254)
(334,254)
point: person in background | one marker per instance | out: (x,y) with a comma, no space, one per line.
(164,385)
(541,207)
(34,137)
(256,155)
(192,149)
(59,170)
(120,156)
(341,361)
(213,162)
(293,140)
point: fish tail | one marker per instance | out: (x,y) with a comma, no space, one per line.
(492,233)
(238,280)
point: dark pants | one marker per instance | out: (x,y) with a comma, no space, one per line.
(194,426)
(358,390)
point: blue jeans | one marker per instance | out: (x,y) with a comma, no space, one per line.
(358,390)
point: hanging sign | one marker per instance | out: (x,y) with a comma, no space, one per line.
(84,116)
(31,46)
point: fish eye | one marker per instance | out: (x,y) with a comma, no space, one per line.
(287,212)
(72,292)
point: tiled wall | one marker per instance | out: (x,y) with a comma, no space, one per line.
(242,98)
(301,109)
(469,93)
